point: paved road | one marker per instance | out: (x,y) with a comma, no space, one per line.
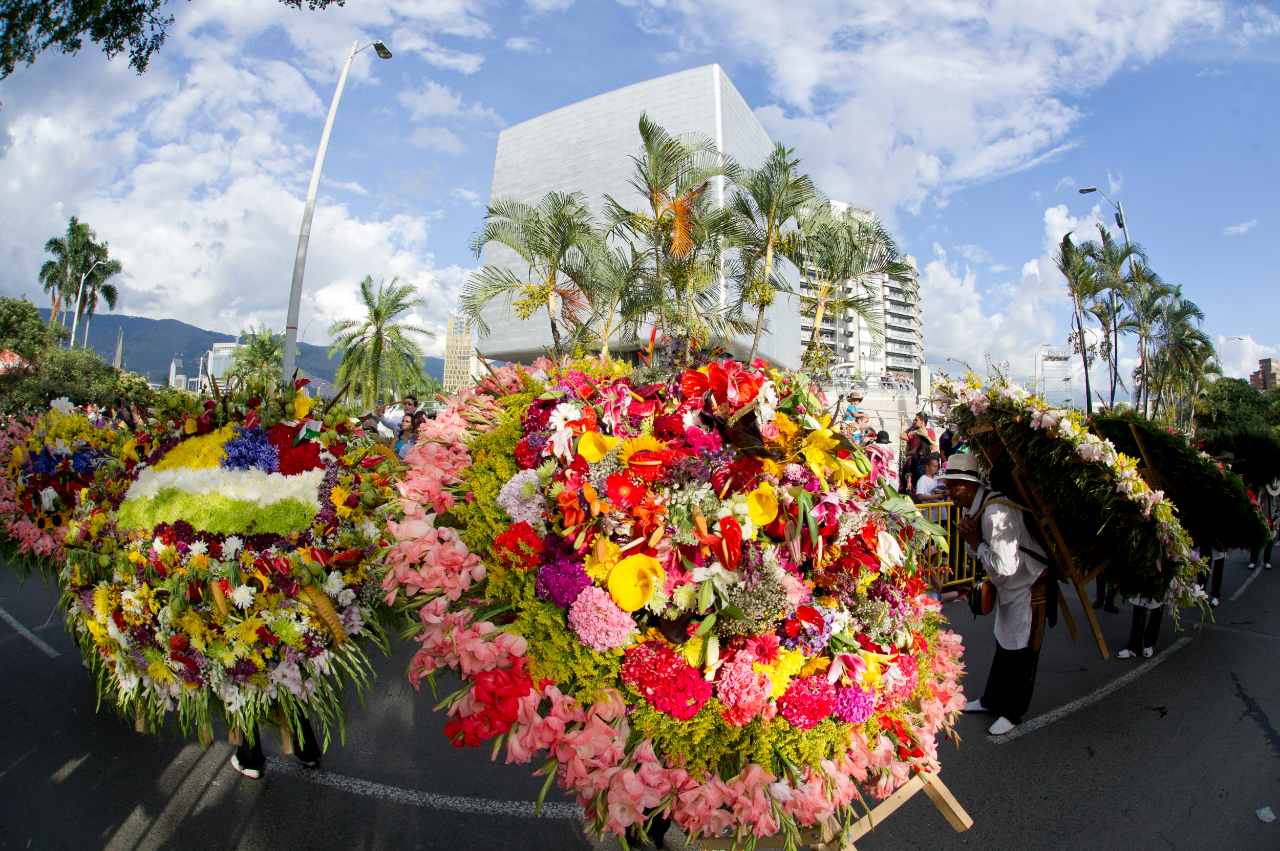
(1181,756)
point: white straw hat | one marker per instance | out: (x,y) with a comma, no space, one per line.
(963,468)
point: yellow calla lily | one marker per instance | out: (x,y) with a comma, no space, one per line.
(633,580)
(593,445)
(302,405)
(762,504)
(875,668)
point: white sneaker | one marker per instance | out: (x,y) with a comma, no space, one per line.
(1126,654)
(1252,565)
(251,773)
(1148,652)
(1001,726)
(975,706)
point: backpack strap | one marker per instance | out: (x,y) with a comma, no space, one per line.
(993,497)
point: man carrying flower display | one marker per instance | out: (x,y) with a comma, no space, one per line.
(994,529)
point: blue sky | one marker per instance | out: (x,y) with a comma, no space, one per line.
(968,126)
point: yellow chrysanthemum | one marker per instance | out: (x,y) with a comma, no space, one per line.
(338,496)
(602,559)
(762,504)
(633,581)
(158,671)
(781,670)
(787,428)
(816,665)
(593,445)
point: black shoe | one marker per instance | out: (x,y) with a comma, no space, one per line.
(1110,608)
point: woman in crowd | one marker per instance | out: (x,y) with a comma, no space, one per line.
(407,436)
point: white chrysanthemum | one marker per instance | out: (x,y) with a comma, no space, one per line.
(346,597)
(243,596)
(198,548)
(48,499)
(333,584)
(231,546)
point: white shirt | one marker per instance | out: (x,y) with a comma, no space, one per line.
(1010,570)
(926,485)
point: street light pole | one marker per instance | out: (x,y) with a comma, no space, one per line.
(308,211)
(75,320)
(1123,222)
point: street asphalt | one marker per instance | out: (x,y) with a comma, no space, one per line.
(1181,753)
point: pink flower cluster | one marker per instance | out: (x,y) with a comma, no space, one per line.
(429,559)
(598,622)
(808,701)
(743,691)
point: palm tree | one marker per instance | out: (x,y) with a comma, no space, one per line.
(673,176)
(841,257)
(60,276)
(256,363)
(378,351)
(1074,266)
(547,239)
(1148,300)
(768,199)
(1180,358)
(1108,258)
(618,297)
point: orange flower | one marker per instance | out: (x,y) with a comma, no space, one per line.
(571,508)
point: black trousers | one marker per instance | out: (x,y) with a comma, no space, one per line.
(1144,629)
(1262,555)
(1104,593)
(1213,582)
(1011,682)
(307,748)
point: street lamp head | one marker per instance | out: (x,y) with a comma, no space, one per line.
(1085,190)
(382,50)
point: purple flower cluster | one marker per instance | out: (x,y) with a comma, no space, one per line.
(561,579)
(85,461)
(250,450)
(811,638)
(854,705)
(798,474)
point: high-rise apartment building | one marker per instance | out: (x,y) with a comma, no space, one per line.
(587,147)
(461,366)
(896,354)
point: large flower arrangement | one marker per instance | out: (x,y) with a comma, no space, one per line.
(682,589)
(1214,503)
(51,460)
(1104,508)
(237,571)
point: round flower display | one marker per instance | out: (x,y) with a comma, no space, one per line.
(682,591)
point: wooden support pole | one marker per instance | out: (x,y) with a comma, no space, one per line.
(1069,618)
(1092,618)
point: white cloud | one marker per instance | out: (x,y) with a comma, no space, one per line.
(1239,356)
(467,196)
(1240,228)
(1211,72)
(997,268)
(524,44)
(437,54)
(437,139)
(434,100)
(543,6)
(1064,183)
(975,254)
(1115,182)
(937,94)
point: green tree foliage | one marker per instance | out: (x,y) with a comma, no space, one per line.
(1230,404)
(77,274)
(256,364)
(137,27)
(379,352)
(22,330)
(77,374)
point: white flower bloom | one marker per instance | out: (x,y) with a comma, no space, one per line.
(254,486)
(198,548)
(231,547)
(62,405)
(333,584)
(346,597)
(890,551)
(157,545)
(562,435)
(766,403)
(48,499)
(243,596)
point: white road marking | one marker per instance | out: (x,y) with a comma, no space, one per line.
(1252,576)
(29,635)
(428,800)
(1042,721)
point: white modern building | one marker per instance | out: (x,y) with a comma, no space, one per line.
(586,147)
(461,364)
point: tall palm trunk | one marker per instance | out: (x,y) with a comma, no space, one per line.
(1084,354)
(84,341)
(768,276)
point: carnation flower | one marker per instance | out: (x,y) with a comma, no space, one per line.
(598,622)
(854,705)
(808,701)
(743,691)
(659,673)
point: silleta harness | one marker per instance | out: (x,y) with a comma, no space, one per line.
(1044,584)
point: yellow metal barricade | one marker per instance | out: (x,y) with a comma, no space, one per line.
(957,567)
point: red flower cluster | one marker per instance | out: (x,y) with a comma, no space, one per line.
(808,701)
(518,548)
(908,747)
(665,679)
(497,692)
(294,459)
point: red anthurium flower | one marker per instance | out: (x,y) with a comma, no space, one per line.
(624,492)
(693,384)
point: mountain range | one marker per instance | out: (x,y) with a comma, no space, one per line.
(150,344)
